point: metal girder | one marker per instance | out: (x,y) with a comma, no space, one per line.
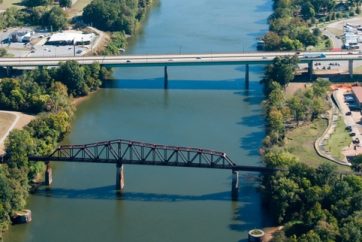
(133,152)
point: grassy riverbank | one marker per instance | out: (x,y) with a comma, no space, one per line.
(339,140)
(300,142)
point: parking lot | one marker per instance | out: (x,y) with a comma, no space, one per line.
(352,118)
(37,46)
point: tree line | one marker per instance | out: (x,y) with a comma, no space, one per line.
(48,93)
(115,15)
(313,204)
(290,23)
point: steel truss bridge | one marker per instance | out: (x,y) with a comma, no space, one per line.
(122,152)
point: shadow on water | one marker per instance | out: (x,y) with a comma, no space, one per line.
(244,212)
(109,193)
(158,83)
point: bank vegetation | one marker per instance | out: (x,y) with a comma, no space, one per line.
(47,93)
(313,204)
(292,20)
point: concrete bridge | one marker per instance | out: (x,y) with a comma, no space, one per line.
(246,59)
(121,152)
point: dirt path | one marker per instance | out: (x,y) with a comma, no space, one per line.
(19,122)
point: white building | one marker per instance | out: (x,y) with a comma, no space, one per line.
(71,38)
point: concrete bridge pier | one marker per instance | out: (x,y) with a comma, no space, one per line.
(9,71)
(235,186)
(165,81)
(310,70)
(119,177)
(48,174)
(247,80)
(350,68)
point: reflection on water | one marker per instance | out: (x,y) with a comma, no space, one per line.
(205,107)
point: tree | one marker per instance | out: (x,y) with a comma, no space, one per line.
(357,163)
(272,41)
(65,3)
(282,70)
(18,146)
(72,75)
(307,10)
(55,19)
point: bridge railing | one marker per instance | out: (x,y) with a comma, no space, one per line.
(133,152)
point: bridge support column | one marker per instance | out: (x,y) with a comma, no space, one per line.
(247,80)
(310,70)
(165,81)
(350,68)
(48,174)
(235,186)
(9,71)
(119,177)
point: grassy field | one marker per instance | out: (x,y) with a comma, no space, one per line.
(6,119)
(300,142)
(338,140)
(9,3)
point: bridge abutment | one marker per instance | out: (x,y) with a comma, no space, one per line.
(235,185)
(48,174)
(350,68)
(119,177)
(165,80)
(247,79)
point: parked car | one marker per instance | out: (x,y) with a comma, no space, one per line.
(356,141)
(348,113)
(349,128)
(352,134)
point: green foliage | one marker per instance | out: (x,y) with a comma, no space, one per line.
(3,52)
(65,3)
(38,91)
(357,163)
(55,19)
(280,110)
(115,15)
(282,70)
(118,41)
(319,205)
(290,22)
(80,80)
(12,17)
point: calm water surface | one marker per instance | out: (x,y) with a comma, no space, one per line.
(205,107)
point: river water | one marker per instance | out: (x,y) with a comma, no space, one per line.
(204,107)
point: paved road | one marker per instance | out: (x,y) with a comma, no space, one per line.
(180,59)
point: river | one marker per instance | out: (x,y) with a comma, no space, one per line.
(205,107)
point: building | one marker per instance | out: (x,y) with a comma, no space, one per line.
(71,38)
(357,93)
(21,36)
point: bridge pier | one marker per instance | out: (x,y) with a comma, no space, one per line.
(119,177)
(165,80)
(235,186)
(9,71)
(48,174)
(247,76)
(350,68)
(310,70)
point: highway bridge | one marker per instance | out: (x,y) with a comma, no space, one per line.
(246,59)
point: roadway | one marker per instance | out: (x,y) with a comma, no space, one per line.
(178,59)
